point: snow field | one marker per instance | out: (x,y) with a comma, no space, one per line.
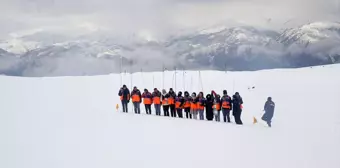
(72,122)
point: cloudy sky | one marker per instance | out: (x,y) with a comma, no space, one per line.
(157,18)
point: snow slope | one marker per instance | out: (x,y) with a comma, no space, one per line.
(70,122)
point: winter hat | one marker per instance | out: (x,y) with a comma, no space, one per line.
(124,86)
(193,94)
(237,93)
(269,99)
(179,93)
(225,92)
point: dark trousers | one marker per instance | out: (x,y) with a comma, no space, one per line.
(187,112)
(180,113)
(148,108)
(125,106)
(158,109)
(166,110)
(172,110)
(237,115)
(226,115)
(137,107)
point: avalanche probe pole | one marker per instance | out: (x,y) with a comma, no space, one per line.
(175,80)
(131,84)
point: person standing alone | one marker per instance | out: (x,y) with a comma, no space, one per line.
(269,108)
(124,95)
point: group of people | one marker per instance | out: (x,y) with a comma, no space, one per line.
(193,105)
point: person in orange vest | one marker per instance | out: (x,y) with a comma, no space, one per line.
(147,100)
(124,95)
(237,108)
(226,104)
(156,97)
(187,105)
(216,105)
(193,106)
(179,102)
(171,100)
(165,103)
(200,105)
(136,99)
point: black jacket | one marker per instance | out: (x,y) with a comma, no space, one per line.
(237,102)
(125,93)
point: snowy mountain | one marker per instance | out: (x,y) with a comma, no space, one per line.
(71,122)
(239,48)
(311,33)
(221,48)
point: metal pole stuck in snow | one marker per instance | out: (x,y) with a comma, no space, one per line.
(121,71)
(175,79)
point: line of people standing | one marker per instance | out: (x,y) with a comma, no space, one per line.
(193,105)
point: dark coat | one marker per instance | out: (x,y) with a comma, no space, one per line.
(209,107)
(269,108)
(125,93)
(237,102)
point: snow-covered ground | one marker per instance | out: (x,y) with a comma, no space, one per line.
(71,122)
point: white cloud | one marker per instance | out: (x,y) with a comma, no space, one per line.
(161,17)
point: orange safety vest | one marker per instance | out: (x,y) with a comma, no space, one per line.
(171,100)
(186,104)
(178,105)
(135,98)
(225,105)
(217,106)
(128,97)
(193,106)
(156,100)
(147,101)
(165,102)
(200,106)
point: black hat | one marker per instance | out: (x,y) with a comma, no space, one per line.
(237,93)
(179,93)
(124,86)
(225,92)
